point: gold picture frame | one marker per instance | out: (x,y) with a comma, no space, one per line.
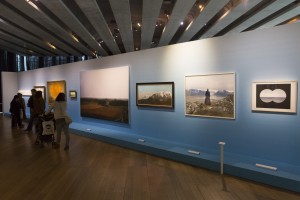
(54,88)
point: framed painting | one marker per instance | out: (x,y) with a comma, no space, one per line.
(54,88)
(211,95)
(42,89)
(275,96)
(25,92)
(73,94)
(104,94)
(156,94)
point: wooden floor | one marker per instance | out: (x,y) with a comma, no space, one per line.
(95,170)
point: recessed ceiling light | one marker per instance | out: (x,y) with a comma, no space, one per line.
(32,4)
(51,45)
(74,37)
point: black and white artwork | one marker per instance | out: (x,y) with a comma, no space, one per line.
(274,96)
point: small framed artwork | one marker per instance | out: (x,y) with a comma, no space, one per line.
(155,94)
(275,96)
(73,94)
(211,95)
(54,88)
(42,89)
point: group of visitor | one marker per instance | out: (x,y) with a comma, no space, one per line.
(36,104)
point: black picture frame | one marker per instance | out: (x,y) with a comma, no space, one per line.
(280,96)
(73,94)
(155,94)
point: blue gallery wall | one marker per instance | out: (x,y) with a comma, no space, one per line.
(261,55)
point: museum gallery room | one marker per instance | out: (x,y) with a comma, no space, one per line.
(169,99)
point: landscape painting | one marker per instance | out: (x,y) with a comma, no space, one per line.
(42,89)
(54,88)
(210,95)
(274,96)
(104,94)
(157,94)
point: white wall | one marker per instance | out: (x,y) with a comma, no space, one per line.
(10,85)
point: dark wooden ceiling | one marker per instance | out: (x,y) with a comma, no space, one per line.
(109,27)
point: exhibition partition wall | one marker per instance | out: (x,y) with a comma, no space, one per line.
(208,107)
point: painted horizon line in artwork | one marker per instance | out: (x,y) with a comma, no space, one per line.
(211,95)
(104,94)
(155,94)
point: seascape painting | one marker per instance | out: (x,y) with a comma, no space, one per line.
(274,96)
(210,95)
(157,94)
(104,94)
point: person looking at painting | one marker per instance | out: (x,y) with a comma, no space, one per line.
(15,110)
(39,104)
(30,104)
(23,105)
(38,107)
(60,112)
(207,97)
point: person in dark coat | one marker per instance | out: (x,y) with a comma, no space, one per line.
(15,110)
(30,104)
(22,100)
(207,97)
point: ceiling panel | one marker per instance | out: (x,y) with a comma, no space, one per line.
(24,28)
(275,6)
(121,10)
(212,8)
(27,47)
(151,9)
(68,43)
(229,17)
(95,16)
(109,27)
(12,48)
(288,15)
(180,11)
(60,9)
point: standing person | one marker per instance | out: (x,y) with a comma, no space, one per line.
(15,110)
(23,105)
(38,104)
(39,109)
(207,97)
(31,107)
(60,112)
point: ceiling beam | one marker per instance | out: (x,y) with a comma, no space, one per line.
(232,15)
(28,30)
(61,10)
(50,25)
(151,10)
(277,5)
(95,16)
(211,9)
(286,16)
(121,10)
(179,12)
(29,47)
